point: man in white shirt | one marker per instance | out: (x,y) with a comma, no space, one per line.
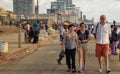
(102,33)
(27,27)
(63,31)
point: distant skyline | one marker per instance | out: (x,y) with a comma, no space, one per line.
(90,8)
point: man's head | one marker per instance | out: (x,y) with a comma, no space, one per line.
(102,19)
(65,25)
(37,21)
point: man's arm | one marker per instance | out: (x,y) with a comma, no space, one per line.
(63,43)
(94,32)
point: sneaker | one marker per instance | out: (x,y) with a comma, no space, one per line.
(74,71)
(108,71)
(80,70)
(59,62)
(84,68)
(69,70)
(100,70)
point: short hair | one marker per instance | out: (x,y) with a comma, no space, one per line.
(37,21)
(82,23)
(112,26)
(115,28)
(71,26)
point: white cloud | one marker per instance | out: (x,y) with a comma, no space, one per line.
(91,8)
(7,4)
(94,8)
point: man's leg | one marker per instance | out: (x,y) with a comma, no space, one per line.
(99,49)
(100,61)
(105,54)
(106,62)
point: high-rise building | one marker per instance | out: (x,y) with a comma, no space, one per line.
(69,6)
(25,7)
(57,7)
(37,8)
(68,3)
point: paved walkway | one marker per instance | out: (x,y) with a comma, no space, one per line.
(43,61)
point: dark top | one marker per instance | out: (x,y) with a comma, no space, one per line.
(83,36)
(114,36)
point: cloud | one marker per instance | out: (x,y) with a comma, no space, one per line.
(44,5)
(7,4)
(94,8)
(91,8)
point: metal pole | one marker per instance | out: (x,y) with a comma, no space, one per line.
(19,38)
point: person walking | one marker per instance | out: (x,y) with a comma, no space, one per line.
(84,37)
(102,33)
(36,28)
(70,43)
(27,27)
(114,42)
(63,31)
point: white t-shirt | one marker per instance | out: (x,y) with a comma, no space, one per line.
(27,27)
(63,31)
(102,34)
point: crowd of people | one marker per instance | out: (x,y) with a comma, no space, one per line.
(75,38)
(32,31)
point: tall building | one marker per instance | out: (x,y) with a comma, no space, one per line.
(57,7)
(60,5)
(68,3)
(25,7)
(37,8)
(70,8)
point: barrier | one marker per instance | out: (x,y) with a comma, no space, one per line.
(4,48)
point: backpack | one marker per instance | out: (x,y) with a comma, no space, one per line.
(97,27)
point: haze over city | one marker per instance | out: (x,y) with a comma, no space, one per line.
(90,8)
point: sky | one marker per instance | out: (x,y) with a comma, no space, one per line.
(90,8)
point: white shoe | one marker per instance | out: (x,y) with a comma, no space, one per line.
(108,71)
(100,70)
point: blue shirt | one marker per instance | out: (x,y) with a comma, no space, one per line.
(36,27)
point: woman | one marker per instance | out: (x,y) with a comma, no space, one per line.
(84,37)
(70,41)
(114,41)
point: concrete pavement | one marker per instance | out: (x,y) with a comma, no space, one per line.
(43,61)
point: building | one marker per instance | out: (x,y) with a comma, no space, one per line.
(25,7)
(68,6)
(11,15)
(60,18)
(68,3)
(57,7)
(37,8)
(52,11)
(6,15)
